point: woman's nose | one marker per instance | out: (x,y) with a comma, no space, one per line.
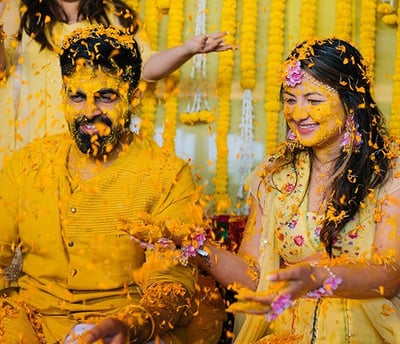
(300,112)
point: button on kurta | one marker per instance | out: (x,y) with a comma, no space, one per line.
(73,210)
(70,243)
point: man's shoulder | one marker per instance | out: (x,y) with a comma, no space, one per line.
(39,150)
(151,150)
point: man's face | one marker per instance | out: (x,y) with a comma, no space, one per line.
(96,106)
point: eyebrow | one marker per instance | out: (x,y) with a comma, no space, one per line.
(305,95)
(100,92)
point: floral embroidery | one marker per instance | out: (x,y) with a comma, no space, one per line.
(292,224)
(298,240)
(289,187)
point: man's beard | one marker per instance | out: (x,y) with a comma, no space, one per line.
(96,145)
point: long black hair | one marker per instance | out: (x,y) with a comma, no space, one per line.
(339,65)
(39,17)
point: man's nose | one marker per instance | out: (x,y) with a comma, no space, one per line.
(91,109)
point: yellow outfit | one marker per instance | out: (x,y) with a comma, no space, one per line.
(291,234)
(31,99)
(78,257)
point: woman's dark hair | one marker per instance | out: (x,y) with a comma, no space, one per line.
(112,49)
(339,65)
(35,17)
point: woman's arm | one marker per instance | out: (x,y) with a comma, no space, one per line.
(242,269)
(364,279)
(167,61)
(10,20)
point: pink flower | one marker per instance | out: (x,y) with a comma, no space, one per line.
(278,306)
(298,240)
(289,187)
(294,74)
(291,136)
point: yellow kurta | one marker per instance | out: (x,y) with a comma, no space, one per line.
(291,234)
(78,257)
(30,101)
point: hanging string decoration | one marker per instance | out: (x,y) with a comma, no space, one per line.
(388,11)
(274,59)
(198,109)
(175,29)
(344,19)
(247,82)
(224,83)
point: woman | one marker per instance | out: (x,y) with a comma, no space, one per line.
(34,30)
(322,243)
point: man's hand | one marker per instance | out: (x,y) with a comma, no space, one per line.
(110,331)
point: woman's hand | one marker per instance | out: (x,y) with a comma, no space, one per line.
(287,284)
(207,43)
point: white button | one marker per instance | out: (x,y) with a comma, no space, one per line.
(73,210)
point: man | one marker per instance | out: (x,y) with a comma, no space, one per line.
(84,207)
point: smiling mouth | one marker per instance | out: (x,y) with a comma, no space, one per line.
(100,126)
(304,128)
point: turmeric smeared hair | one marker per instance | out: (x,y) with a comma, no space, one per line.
(111,48)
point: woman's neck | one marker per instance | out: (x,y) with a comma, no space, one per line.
(71,9)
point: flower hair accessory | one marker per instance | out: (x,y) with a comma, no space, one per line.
(351,137)
(294,74)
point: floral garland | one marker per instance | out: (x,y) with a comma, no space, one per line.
(247,82)
(394,122)
(388,12)
(308,16)
(344,20)
(175,29)
(274,60)
(224,83)
(149,103)
(368,34)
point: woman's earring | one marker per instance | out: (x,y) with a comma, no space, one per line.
(351,140)
(292,142)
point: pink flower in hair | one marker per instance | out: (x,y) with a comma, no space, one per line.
(294,74)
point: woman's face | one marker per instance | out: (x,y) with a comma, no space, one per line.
(314,113)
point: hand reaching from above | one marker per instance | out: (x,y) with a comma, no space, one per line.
(207,43)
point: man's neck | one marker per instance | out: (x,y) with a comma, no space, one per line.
(82,166)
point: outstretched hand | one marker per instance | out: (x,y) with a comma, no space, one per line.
(207,43)
(287,284)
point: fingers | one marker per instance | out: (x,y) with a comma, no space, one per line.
(112,331)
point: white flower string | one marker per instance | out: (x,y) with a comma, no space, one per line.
(247,146)
(198,109)
(247,82)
